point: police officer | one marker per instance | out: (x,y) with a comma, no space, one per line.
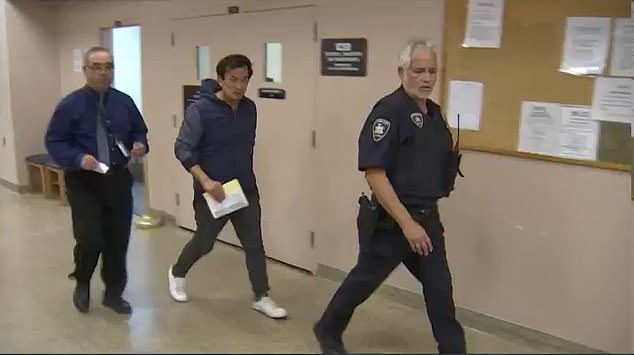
(215,144)
(93,133)
(405,150)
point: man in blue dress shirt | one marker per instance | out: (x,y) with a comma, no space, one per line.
(93,133)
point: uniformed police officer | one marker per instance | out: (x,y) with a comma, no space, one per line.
(94,128)
(405,150)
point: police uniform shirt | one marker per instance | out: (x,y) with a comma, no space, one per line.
(412,147)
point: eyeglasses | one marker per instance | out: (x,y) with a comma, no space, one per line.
(101,67)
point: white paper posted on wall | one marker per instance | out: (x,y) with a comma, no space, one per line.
(553,129)
(586,45)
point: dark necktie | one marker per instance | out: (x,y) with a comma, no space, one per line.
(102,136)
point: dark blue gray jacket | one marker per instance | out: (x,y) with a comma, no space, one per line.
(218,139)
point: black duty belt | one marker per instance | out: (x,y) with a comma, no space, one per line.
(424,211)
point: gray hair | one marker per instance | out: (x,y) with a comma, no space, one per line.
(405,57)
(92,50)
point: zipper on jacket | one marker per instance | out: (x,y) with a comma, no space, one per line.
(237,131)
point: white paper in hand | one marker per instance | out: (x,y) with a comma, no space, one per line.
(234,200)
(101,168)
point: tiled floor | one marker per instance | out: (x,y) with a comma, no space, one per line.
(37,314)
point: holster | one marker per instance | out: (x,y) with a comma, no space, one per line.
(367,220)
(453,170)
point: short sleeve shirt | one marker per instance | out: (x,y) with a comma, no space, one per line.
(411,146)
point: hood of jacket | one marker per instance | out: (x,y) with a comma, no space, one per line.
(209,88)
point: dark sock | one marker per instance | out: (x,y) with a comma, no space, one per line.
(175,274)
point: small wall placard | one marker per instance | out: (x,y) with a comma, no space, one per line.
(344,56)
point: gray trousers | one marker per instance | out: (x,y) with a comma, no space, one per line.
(246,223)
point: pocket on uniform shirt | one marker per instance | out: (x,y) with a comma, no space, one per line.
(406,136)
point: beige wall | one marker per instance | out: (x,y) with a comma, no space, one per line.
(7,146)
(34,76)
(29,82)
(522,245)
(544,245)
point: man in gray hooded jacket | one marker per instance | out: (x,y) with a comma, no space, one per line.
(215,144)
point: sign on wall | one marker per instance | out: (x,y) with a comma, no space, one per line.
(344,56)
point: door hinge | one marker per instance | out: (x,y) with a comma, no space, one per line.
(178,199)
(312,239)
(313,139)
(172,39)
(315,31)
(174,120)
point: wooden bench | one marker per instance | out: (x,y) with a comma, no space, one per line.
(46,176)
(56,182)
(36,169)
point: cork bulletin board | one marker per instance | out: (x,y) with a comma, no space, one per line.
(526,68)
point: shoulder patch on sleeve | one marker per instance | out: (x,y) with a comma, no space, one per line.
(380,127)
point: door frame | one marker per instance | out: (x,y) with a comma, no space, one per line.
(310,134)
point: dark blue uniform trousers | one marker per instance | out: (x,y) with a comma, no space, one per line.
(378,257)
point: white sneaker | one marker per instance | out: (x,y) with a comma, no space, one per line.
(177,287)
(267,306)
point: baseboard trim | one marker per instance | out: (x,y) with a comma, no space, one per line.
(21,189)
(532,338)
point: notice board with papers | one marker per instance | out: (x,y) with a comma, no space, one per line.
(524,70)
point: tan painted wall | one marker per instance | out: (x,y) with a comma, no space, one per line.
(8,170)
(544,245)
(34,76)
(539,244)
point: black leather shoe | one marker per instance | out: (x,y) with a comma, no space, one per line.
(118,305)
(328,344)
(81,297)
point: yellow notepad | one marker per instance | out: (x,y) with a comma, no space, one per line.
(234,199)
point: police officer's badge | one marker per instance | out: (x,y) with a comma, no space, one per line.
(417,118)
(380,127)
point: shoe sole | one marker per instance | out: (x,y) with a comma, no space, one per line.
(81,310)
(321,341)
